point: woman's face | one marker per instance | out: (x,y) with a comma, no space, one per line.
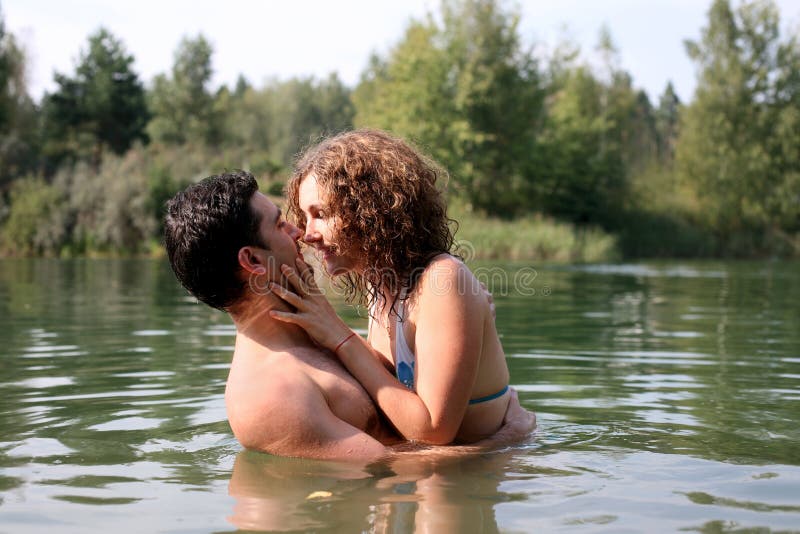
(320,230)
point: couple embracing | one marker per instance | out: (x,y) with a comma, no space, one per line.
(302,383)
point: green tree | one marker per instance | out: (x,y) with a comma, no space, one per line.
(468,93)
(408,93)
(11,74)
(598,133)
(242,85)
(305,109)
(183,104)
(739,137)
(276,122)
(667,122)
(102,106)
(582,177)
(631,135)
(17,112)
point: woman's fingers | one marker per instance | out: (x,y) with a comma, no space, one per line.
(286,317)
(294,279)
(305,270)
(285,294)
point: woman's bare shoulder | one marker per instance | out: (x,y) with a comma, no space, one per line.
(448,267)
(447,277)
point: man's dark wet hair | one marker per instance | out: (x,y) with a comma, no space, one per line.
(206,225)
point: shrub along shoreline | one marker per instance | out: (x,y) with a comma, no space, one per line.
(48,217)
(554,158)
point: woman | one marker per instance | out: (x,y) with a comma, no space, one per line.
(432,362)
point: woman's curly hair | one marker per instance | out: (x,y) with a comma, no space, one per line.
(390,212)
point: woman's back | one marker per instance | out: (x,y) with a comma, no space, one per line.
(408,332)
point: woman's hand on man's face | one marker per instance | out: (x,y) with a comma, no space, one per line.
(314,313)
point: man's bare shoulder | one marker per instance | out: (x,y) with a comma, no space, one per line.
(267,403)
(275,406)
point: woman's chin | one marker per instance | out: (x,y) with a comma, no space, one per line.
(334,268)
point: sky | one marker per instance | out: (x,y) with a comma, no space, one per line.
(279,39)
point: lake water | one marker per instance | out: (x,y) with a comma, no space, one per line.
(668,397)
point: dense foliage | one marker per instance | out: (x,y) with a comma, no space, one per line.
(530,142)
(99,109)
(740,142)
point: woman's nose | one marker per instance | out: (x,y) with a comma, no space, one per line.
(311,237)
(311,233)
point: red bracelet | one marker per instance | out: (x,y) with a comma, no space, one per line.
(343,342)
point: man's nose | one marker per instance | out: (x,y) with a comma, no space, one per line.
(293,231)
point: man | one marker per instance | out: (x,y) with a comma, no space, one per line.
(226,241)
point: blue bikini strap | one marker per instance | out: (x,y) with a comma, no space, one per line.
(489,397)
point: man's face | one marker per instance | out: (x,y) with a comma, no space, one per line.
(277,233)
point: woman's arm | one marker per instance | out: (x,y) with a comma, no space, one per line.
(449,310)
(448,341)
(518,425)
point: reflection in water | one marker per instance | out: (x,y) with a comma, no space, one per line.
(665,392)
(279,494)
(413,492)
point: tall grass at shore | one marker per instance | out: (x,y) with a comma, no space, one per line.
(532,237)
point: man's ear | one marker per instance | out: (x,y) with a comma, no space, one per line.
(252,260)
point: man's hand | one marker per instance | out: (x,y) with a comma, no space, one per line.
(518,422)
(490,298)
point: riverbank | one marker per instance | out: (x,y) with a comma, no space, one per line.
(533,237)
(537,237)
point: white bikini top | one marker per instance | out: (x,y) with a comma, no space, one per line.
(405,359)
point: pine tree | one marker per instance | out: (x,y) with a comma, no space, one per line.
(18,126)
(101,106)
(667,121)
